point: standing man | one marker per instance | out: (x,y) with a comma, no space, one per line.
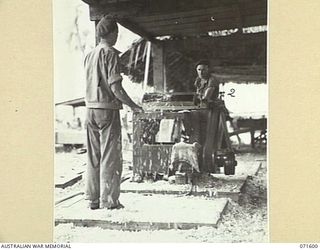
(104,99)
(207,92)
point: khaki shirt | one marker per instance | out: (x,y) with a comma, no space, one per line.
(102,69)
(202,85)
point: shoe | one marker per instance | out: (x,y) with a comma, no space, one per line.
(120,206)
(94,206)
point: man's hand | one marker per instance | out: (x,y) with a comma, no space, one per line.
(137,109)
(122,95)
(196,99)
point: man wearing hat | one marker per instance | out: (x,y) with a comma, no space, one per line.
(104,99)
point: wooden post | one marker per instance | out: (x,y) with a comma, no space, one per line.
(158,67)
(146,70)
(225,130)
(95,31)
(252,137)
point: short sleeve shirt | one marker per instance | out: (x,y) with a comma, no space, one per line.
(113,67)
(202,85)
(102,69)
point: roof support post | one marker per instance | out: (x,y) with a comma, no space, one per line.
(147,65)
(158,61)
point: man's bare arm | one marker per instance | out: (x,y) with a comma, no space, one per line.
(208,94)
(122,95)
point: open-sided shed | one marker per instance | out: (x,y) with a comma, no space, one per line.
(231,34)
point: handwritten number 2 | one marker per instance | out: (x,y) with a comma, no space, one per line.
(232,91)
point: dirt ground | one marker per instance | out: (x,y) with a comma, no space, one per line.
(243,221)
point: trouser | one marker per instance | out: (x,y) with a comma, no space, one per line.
(104,166)
(205,131)
(211,142)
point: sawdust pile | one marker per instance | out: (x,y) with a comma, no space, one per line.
(243,221)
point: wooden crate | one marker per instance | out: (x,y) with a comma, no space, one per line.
(150,157)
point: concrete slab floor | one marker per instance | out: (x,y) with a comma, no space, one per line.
(145,212)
